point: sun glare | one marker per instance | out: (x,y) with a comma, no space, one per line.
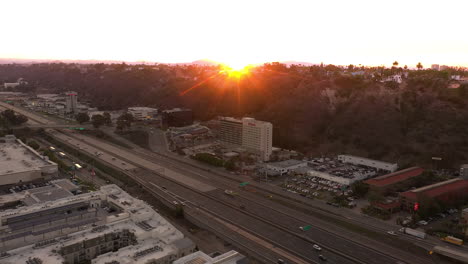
(236,70)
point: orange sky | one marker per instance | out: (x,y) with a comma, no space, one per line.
(238,32)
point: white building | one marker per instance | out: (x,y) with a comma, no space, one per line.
(257,137)
(21,163)
(253,135)
(71,104)
(230,257)
(394,78)
(143,113)
(435,67)
(381,165)
(106,226)
(286,166)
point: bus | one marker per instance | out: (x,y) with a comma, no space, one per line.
(453,240)
(78,166)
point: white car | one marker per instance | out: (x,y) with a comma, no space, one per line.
(391,233)
(317,247)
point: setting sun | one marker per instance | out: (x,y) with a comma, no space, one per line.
(236,70)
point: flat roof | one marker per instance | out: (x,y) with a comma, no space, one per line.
(17,157)
(286,163)
(438,189)
(155,236)
(395,177)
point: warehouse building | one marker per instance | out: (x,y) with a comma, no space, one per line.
(107,226)
(143,113)
(381,165)
(20,163)
(286,166)
(394,181)
(445,192)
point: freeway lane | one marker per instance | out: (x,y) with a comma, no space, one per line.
(348,248)
(139,161)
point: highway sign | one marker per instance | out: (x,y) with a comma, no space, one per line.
(242,184)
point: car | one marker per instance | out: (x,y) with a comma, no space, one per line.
(391,233)
(280,261)
(422,222)
(317,247)
(322,258)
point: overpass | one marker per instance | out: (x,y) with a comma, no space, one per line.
(65,126)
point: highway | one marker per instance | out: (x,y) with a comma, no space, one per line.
(266,220)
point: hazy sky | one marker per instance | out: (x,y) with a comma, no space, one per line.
(330,31)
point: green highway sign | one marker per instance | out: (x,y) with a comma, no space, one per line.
(307,227)
(242,184)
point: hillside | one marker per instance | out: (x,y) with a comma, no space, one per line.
(317,110)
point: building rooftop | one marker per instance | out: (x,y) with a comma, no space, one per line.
(155,237)
(395,177)
(15,157)
(286,163)
(141,108)
(230,257)
(437,189)
(174,110)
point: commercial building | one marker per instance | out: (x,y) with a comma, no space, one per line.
(464,219)
(230,131)
(230,257)
(143,113)
(445,192)
(257,137)
(286,166)
(435,67)
(393,181)
(177,117)
(464,171)
(253,135)
(381,165)
(20,163)
(71,102)
(335,170)
(107,226)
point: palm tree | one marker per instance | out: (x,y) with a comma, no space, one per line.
(419,66)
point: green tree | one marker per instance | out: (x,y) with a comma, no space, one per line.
(97,120)
(375,197)
(14,119)
(33,144)
(125,121)
(360,189)
(82,118)
(462,90)
(419,66)
(395,63)
(107,119)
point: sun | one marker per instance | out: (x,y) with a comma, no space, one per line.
(236,70)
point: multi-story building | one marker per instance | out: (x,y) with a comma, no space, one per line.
(435,67)
(257,137)
(464,171)
(177,117)
(253,135)
(20,163)
(143,113)
(230,131)
(106,226)
(71,102)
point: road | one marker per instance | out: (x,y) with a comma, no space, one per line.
(266,219)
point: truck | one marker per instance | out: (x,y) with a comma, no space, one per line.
(452,240)
(413,232)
